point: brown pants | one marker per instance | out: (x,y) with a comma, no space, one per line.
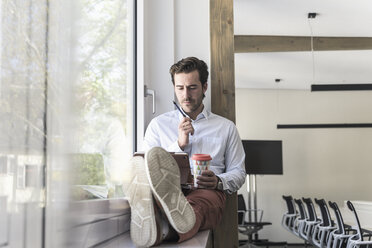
(208,206)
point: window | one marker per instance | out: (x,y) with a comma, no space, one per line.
(66,110)
(102,98)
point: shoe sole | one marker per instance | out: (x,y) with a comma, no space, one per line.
(164,176)
(137,189)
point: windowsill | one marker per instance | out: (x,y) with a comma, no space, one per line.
(88,211)
(92,222)
(199,240)
(105,222)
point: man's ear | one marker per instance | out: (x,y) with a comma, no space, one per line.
(205,87)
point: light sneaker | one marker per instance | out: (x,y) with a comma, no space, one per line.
(164,176)
(143,229)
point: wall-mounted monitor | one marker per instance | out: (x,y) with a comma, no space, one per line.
(263,157)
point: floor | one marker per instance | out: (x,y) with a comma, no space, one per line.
(276,245)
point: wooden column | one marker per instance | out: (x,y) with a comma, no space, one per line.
(222,58)
(223,101)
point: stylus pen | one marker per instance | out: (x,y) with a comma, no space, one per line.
(179,109)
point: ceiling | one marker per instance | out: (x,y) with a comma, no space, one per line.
(298,70)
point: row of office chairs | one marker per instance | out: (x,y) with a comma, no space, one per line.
(323,231)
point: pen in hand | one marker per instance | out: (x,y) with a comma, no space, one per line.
(184,115)
(179,109)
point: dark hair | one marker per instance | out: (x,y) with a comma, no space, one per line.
(188,65)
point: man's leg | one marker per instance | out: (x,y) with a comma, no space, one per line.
(157,176)
(164,176)
(208,206)
(143,226)
(201,209)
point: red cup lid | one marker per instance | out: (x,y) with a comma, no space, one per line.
(201,157)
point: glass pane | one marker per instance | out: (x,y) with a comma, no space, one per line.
(22,121)
(65,112)
(103,99)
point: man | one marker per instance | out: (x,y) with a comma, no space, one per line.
(181,217)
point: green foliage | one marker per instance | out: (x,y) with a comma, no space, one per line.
(78,194)
(104,56)
(102,90)
(88,169)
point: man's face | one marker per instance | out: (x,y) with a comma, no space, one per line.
(189,91)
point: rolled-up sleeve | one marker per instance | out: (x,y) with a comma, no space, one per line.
(234,176)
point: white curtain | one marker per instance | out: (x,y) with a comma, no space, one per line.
(65,91)
(23,133)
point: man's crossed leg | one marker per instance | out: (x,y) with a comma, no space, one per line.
(156,180)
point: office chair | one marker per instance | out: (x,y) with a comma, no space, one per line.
(310,223)
(339,237)
(323,229)
(300,220)
(358,240)
(289,217)
(249,227)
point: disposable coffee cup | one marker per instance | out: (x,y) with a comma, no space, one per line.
(200,162)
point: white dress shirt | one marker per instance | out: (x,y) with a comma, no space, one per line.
(213,135)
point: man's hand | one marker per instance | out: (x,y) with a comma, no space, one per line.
(184,129)
(207,179)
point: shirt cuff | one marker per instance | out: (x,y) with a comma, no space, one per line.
(222,180)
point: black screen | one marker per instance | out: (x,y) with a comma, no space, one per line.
(263,156)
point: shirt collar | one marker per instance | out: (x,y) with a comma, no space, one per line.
(204,114)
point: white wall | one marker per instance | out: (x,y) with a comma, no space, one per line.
(168,30)
(155,54)
(334,164)
(192,33)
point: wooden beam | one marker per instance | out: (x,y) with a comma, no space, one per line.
(259,43)
(222,58)
(223,101)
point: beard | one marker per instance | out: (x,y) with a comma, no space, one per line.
(193,105)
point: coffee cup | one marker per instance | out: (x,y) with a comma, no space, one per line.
(200,162)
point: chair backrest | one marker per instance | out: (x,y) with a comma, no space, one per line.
(290,204)
(301,208)
(241,209)
(310,209)
(241,203)
(326,217)
(339,219)
(359,228)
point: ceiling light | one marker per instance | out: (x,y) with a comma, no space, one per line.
(311,15)
(339,87)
